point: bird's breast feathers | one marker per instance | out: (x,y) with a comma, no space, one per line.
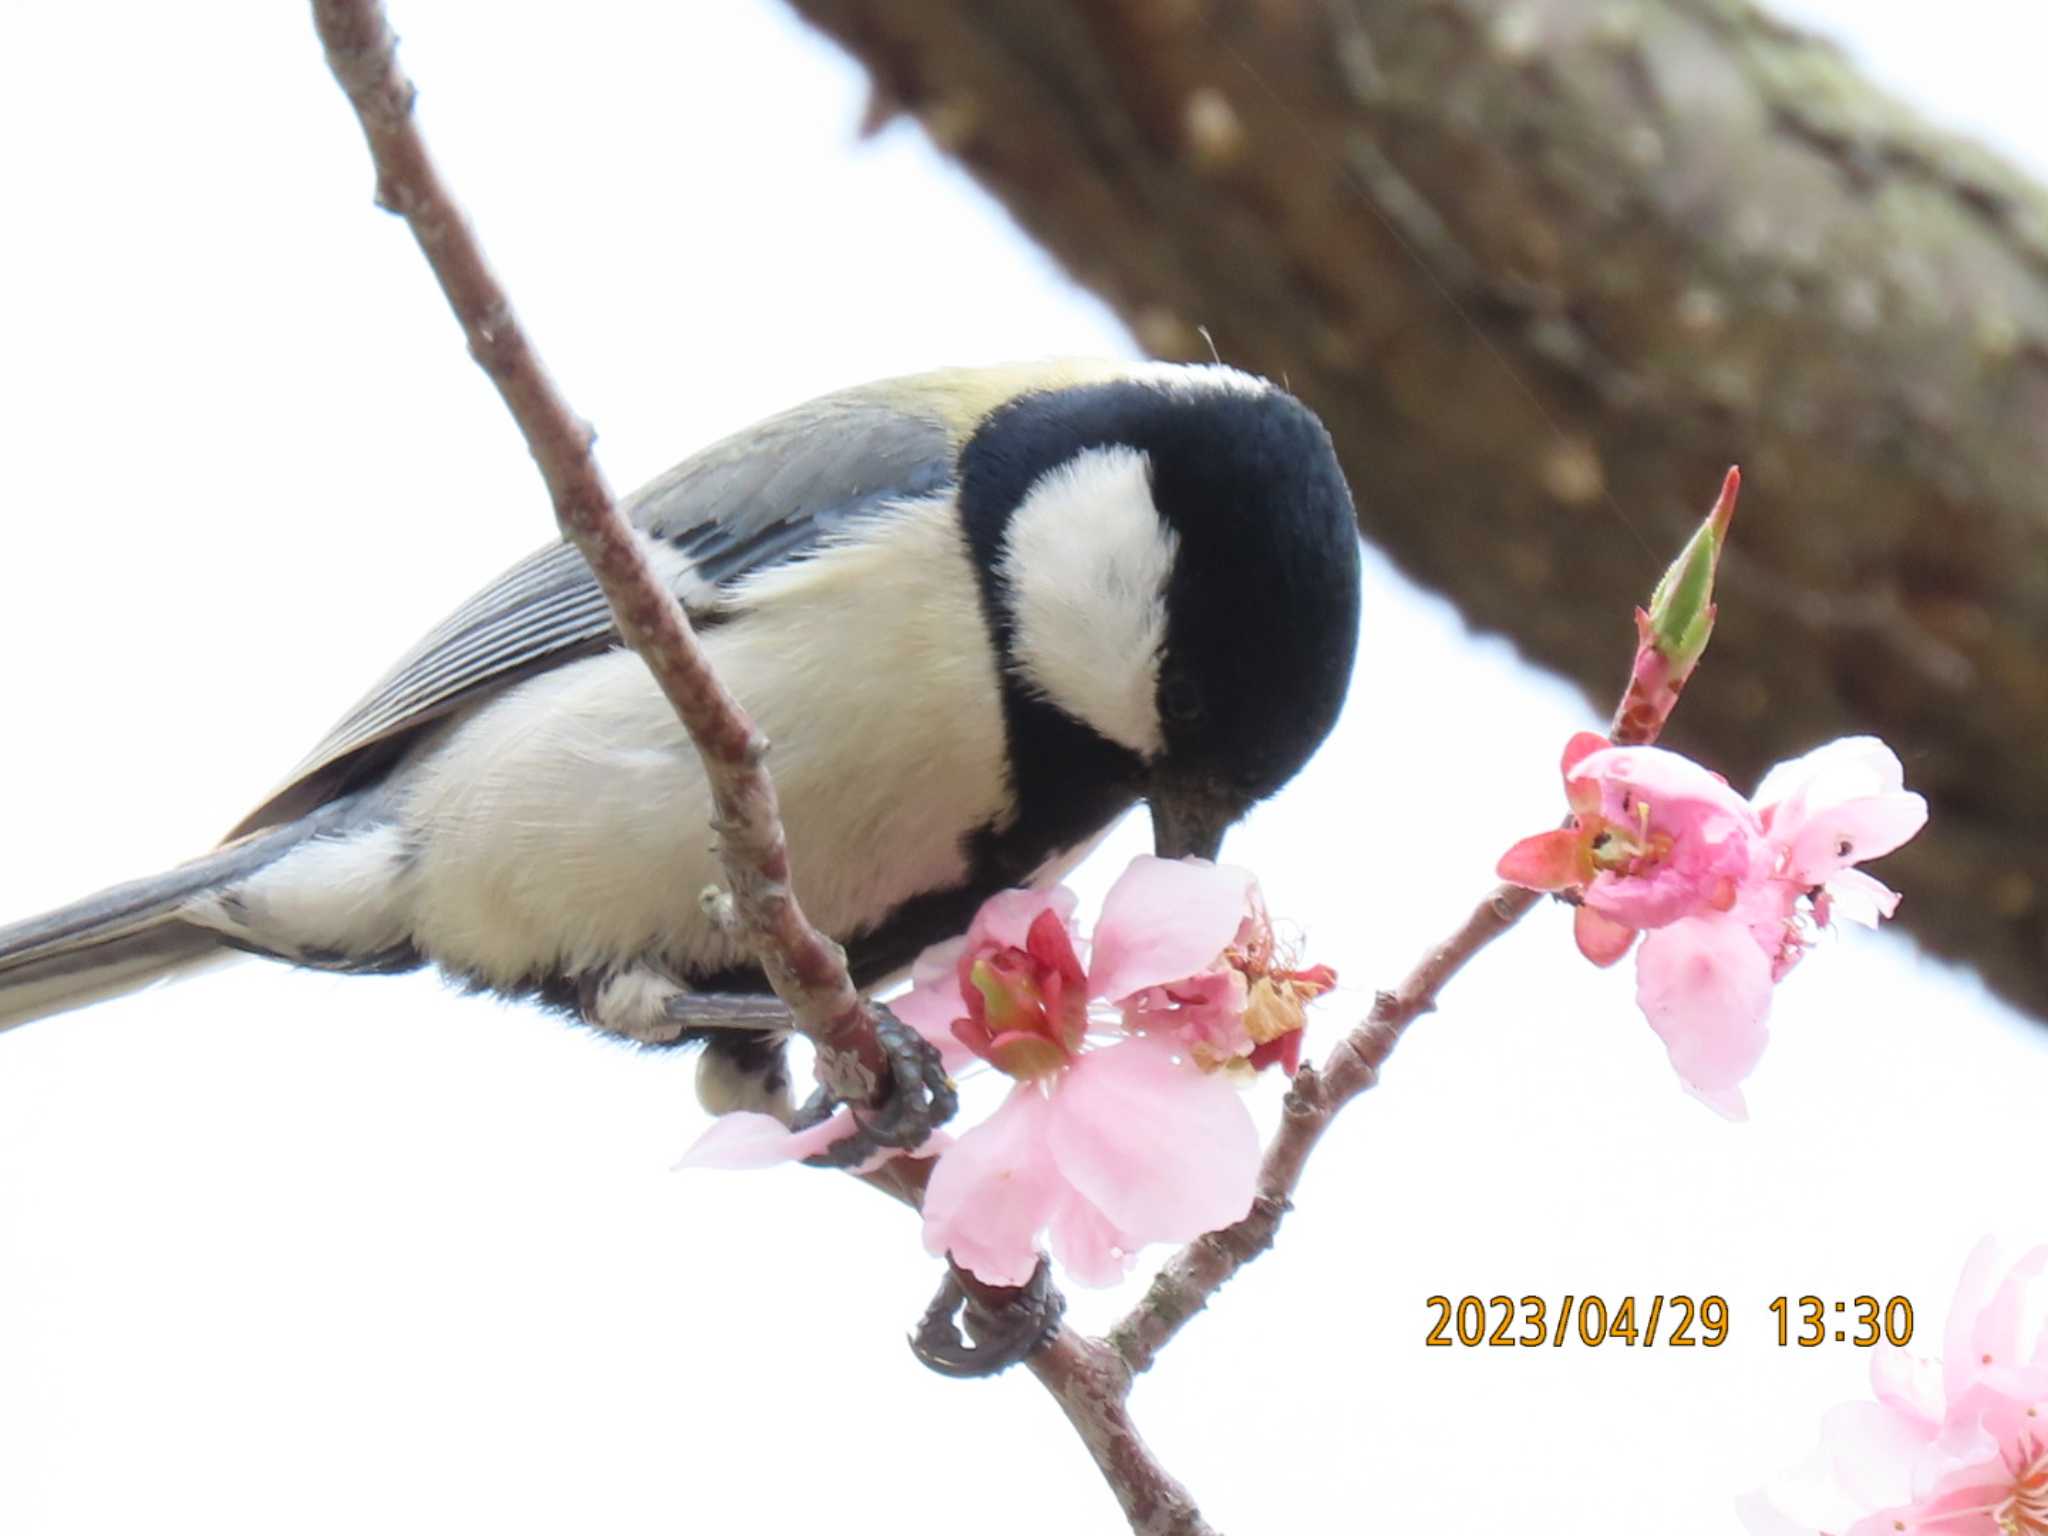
(566,822)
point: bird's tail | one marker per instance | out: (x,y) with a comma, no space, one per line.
(131,935)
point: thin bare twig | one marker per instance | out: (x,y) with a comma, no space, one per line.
(806,968)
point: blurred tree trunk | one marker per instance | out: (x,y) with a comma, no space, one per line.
(1545,268)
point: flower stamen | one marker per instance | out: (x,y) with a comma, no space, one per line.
(2025,1510)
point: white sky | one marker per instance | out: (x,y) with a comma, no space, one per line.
(283,1252)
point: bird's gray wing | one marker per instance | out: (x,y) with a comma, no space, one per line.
(761,497)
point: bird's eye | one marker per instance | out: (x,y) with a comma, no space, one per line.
(1180,701)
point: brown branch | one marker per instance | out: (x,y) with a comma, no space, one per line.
(806,969)
(1093,1387)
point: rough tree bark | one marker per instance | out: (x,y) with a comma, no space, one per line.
(1546,267)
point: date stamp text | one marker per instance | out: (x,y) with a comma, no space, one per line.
(1647,1322)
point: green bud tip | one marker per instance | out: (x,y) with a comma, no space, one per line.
(1682,607)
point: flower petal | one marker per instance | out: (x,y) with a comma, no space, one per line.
(1860,898)
(1705,987)
(1164,1150)
(1804,1499)
(1907,1384)
(1760,1517)
(1848,768)
(1711,859)
(1728,1103)
(747,1140)
(1049,943)
(938,961)
(1549,861)
(1673,839)
(1582,746)
(1982,1274)
(935,998)
(1629,774)
(1830,840)
(1165,920)
(1601,939)
(1871,1450)
(993,1190)
(1208,1009)
(1004,920)
(2008,1331)
(1838,805)
(1966,1501)
(930,1009)
(1087,1243)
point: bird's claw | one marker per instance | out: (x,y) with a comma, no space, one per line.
(921,1098)
(1006,1325)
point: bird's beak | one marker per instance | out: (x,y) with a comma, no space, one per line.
(1190,817)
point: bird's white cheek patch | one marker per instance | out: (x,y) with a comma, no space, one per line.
(1086,560)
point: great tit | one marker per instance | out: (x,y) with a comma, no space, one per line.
(979,613)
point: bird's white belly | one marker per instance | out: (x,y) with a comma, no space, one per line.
(566,824)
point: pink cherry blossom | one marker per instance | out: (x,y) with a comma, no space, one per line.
(1824,813)
(1675,839)
(1106,1147)
(1654,838)
(1120,1130)
(1134,1144)
(1727,894)
(1247,1009)
(1017,993)
(1837,806)
(935,996)
(1166,919)
(1957,1447)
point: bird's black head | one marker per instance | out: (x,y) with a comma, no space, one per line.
(1262,608)
(1172,558)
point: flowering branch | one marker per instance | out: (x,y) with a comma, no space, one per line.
(1090,1379)
(1673,633)
(1182,960)
(1185,1283)
(806,969)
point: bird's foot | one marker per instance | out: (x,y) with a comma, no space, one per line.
(920,1099)
(1006,1324)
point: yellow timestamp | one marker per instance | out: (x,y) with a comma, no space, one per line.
(1531,1322)
(1810,1321)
